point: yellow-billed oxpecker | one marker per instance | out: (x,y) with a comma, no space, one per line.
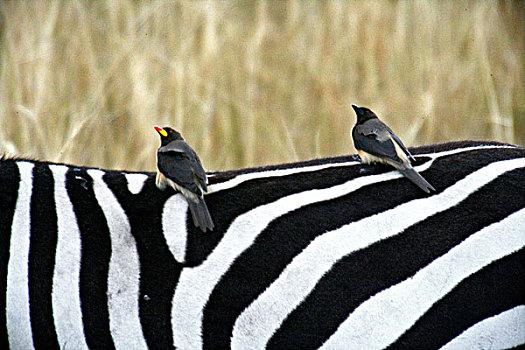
(376,143)
(179,167)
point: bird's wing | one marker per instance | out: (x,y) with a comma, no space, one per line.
(197,168)
(181,153)
(178,169)
(374,138)
(400,143)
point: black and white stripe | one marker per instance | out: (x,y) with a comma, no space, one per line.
(324,254)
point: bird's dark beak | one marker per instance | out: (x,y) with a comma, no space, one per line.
(161,131)
(358,110)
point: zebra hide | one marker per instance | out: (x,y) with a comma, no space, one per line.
(321,254)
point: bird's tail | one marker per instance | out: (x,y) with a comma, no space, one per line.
(417,179)
(201,215)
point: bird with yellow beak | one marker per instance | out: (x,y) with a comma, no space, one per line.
(179,167)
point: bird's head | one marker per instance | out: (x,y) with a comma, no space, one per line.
(363,113)
(167,134)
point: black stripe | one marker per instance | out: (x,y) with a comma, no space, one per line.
(42,257)
(224,175)
(496,288)
(159,272)
(356,277)
(9,185)
(96,254)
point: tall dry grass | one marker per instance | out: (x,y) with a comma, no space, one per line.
(252,83)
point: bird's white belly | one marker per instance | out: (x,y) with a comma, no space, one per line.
(368,158)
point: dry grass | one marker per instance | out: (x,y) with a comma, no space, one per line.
(252,83)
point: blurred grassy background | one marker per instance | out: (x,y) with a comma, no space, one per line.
(251,83)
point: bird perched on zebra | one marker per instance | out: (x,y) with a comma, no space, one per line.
(179,167)
(377,143)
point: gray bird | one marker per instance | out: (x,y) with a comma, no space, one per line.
(179,167)
(376,143)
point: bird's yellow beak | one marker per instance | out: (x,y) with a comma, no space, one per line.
(161,131)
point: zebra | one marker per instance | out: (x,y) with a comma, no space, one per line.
(319,254)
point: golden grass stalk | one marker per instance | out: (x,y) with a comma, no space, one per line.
(251,83)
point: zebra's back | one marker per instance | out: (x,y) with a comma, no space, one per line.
(319,254)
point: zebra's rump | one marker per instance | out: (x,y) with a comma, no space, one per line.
(326,253)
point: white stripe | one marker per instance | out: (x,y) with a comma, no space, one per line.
(136,182)
(272,173)
(503,331)
(124,271)
(66,292)
(436,155)
(383,318)
(174,226)
(300,277)
(196,284)
(17,293)
(284,172)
